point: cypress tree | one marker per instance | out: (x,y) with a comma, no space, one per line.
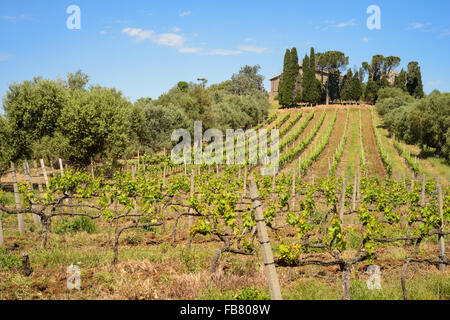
(312,87)
(414,80)
(284,94)
(293,72)
(315,87)
(306,83)
(347,86)
(356,87)
(400,81)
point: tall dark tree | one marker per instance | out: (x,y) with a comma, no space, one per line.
(294,73)
(284,94)
(346,89)
(414,80)
(401,81)
(308,80)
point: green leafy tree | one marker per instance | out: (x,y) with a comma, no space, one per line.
(79,80)
(346,90)
(370,93)
(390,63)
(183,86)
(285,88)
(414,80)
(33,109)
(332,62)
(375,68)
(308,81)
(5,147)
(95,123)
(247,81)
(401,81)
(429,121)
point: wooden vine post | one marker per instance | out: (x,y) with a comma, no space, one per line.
(422,194)
(26,169)
(342,202)
(269,264)
(17,200)
(245,181)
(44,172)
(190,221)
(354,193)
(441,236)
(293,189)
(1,232)
(164,176)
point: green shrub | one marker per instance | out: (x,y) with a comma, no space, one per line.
(75,225)
(133,239)
(8,261)
(251,293)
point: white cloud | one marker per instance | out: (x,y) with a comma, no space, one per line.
(190,50)
(418,25)
(185,13)
(169,39)
(13,18)
(350,23)
(166,39)
(435,83)
(176,29)
(4,56)
(327,24)
(365,40)
(254,49)
(249,40)
(445,33)
(103,32)
(224,52)
(138,34)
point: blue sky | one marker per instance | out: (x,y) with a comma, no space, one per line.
(145,47)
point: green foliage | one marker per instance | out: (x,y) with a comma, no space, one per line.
(425,122)
(75,225)
(247,81)
(370,93)
(33,109)
(400,81)
(414,80)
(287,87)
(251,293)
(352,87)
(9,261)
(183,86)
(333,62)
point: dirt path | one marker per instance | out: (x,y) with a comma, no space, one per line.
(321,167)
(374,163)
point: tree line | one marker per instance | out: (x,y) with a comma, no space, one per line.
(424,122)
(320,78)
(68,119)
